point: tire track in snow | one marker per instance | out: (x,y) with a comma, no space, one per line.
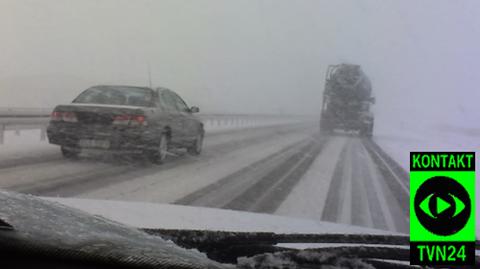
(396,213)
(383,194)
(394,176)
(55,186)
(332,208)
(393,166)
(307,199)
(203,196)
(361,213)
(8,163)
(262,186)
(373,195)
(91,179)
(360,190)
(272,189)
(346,195)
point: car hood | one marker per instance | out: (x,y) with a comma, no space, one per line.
(167,216)
(33,226)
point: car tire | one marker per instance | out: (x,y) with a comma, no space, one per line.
(69,153)
(160,151)
(197,146)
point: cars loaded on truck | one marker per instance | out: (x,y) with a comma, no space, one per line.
(347,100)
(126,119)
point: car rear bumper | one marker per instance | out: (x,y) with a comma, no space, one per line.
(122,138)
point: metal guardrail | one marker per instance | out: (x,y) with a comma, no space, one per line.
(18,119)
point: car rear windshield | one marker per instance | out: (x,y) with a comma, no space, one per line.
(129,96)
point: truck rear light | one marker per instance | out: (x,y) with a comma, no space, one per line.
(69,117)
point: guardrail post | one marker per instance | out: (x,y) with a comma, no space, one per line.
(43,133)
(2,130)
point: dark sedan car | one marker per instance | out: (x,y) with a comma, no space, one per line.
(126,119)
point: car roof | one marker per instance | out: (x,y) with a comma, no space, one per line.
(121,86)
(163,89)
(157,89)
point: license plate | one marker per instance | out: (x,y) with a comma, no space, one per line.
(89,143)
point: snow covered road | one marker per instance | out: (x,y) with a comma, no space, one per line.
(287,170)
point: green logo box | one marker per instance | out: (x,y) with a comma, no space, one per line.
(442,208)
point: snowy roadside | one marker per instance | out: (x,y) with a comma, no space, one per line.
(24,143)
(398,140)
(27,143)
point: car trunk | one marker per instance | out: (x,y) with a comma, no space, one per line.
(98,115)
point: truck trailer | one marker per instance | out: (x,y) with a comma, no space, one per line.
(347,100)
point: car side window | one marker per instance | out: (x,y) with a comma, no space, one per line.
(157,101)
(169,102)
(180,104)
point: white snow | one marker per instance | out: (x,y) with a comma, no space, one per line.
(171,184)
(355,203)
(314,185)
(149,215)
(24,143)
(398,139)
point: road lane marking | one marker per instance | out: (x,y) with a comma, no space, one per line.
(379,193)
(345,215)
(361,187)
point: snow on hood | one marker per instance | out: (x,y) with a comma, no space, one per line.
(56,229)
(166,216)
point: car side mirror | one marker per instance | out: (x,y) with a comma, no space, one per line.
(194,109)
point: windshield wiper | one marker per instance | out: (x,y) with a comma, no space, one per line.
(380,251)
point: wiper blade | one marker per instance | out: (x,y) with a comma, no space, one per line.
(345,257)
(199,237)
(227,247)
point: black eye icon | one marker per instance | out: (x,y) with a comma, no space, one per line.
(440,205)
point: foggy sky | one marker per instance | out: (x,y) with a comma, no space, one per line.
(247,56)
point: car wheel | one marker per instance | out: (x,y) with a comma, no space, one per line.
(159,154)
(69,153)
(197,146)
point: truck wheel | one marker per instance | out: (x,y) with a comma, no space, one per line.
(160,151)
(69,153)
(196,148)
(367,130)
(370,130)
(325,127)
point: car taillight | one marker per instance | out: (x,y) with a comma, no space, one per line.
(56,116)
(133,120)
(138,120)
(69,117)
(63,116)
(121,119)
